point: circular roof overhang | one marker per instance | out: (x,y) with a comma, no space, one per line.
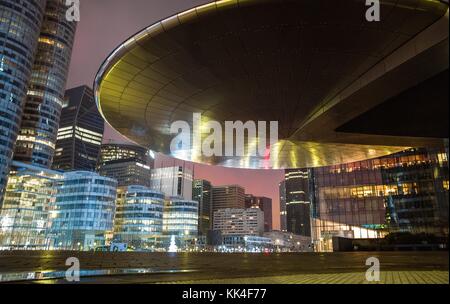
(251,60)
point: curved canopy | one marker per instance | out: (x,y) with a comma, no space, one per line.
(257,60)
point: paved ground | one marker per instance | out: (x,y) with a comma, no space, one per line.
(396,267)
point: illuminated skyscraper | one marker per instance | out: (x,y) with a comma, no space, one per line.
(80,132)
(298,201)
(20,25)
(202,193)
(282,190)
(45,97)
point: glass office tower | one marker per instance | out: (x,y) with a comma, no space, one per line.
(80,132)
(20,25)
(139,217)
(45,97)
(298,201)
(81,217)
(283,220)
(24,216)
(202,193)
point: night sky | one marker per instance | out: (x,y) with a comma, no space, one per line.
(107,23)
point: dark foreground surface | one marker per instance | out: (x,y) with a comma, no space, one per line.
(345,267)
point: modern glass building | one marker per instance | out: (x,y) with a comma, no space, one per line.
(180,217)
(202,193)
(403,192)
(128,164)
(173,181)
(20,25)
(24,216)
(139,217)
(45,96)
(80,132)
(283,220)
(264,204)
(82,214)
(298,201)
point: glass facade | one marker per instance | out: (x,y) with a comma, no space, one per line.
(180,217)
(173,181)
(45,96)
(202,193)
(24,216)
(403,192)
(80,132)
(82,214)
(298,203)
(20,25)
(282,191)
(139,217)
(129,164)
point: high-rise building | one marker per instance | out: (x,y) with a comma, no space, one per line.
(263,203)
(173,181)
(81,216)
(282,191)
(129,164)
(403,192)
(298,201)
(202,193)
(232,221)
(24,215)
(80,132)
(20,26)
(180,217)
(229,196)
(45,97)
(139,217)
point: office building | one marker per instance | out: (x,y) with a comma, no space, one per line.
(229,196)
(128,164)
(173,181)
(20,26)
(81,216)
(80,132)
(45,96)
(24,216)
(180,218)
(139,217)
(232,221)
(283,213)
(298,201)
(263,203)
(403,192)
(202,193)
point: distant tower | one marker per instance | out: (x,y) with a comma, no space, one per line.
(80,132)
